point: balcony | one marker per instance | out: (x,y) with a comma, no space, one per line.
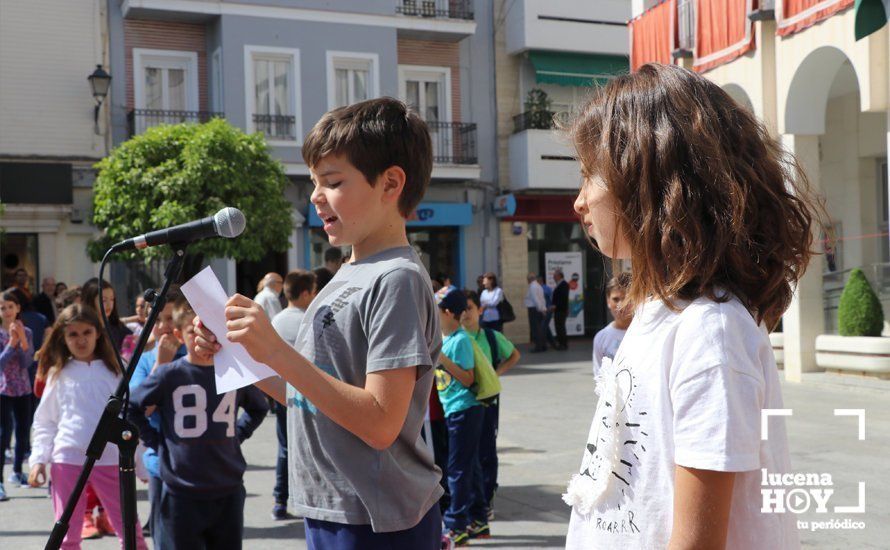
(453,142)
(139,120)
(276,127)
(534,120)
(448,9)
(579,26)
(446,20)
(540,156)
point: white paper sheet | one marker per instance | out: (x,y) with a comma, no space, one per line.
(233,366)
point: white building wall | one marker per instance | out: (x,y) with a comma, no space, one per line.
(568,26)
(47,50)
(542,159)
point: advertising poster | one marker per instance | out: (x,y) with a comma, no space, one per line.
(572,266)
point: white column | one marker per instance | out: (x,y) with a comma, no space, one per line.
(805,318)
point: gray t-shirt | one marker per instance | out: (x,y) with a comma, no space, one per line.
(376,314)
(287,323)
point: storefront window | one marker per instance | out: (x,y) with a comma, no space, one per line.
(569,237)
(438,248)
(19,251)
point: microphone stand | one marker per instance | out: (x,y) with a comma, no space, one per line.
(115,429)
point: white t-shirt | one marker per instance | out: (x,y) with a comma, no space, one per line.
(686,388)
(268,300)
(605,344)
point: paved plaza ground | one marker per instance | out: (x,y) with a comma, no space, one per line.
(547,405)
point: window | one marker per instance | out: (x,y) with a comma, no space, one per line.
(352,77)
(216,77)
(165,86)
(271,91)
(428,90)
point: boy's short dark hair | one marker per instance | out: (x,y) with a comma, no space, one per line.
(375,135)
(618,282)
(297,282)
(182,313)
(333,254)
(473,296)
(174,294)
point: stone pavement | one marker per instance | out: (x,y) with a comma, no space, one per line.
(547,406)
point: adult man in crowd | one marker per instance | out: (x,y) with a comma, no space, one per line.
(537,310)
(560,309)
(45,302)
(548,299)
(268,296)
(21,281)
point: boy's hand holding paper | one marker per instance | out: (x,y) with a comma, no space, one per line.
(233,365)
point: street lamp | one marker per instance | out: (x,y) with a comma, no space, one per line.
(99,82)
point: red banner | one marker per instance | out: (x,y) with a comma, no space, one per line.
(796,15)
(723,32)
(653,35)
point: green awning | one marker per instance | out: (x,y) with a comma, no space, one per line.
(574,69)
(871,15)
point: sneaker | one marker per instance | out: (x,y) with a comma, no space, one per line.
(103,524)
(491,510)
(89,529)
(3,496)
(279,512)
(452,539)
(18,479)
(478,530)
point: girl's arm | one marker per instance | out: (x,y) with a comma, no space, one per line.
(46,423)
(702,500)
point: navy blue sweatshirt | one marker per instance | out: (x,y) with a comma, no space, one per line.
(199,443)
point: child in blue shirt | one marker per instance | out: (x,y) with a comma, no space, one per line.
(199,443)
(467,514)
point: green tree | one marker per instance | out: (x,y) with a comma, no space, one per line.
(859,312)
(172,174)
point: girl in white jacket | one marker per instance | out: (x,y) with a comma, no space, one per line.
(78,363)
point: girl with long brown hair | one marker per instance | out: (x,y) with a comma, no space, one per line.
(718,224)
(77,363)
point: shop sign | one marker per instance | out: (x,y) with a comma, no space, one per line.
(504,206)
(572,266)
(427,214)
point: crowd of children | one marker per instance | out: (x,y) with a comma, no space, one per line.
(715,247)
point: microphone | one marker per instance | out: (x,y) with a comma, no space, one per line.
(228,222)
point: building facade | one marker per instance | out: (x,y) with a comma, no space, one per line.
(819,82)
(276,67)
(50,136)
(548,55)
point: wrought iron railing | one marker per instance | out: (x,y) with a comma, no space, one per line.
(282,127)
(139,120)
(454,142)
(449,9)
(533,120)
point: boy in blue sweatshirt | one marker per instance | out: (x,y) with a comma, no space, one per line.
(199,444)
